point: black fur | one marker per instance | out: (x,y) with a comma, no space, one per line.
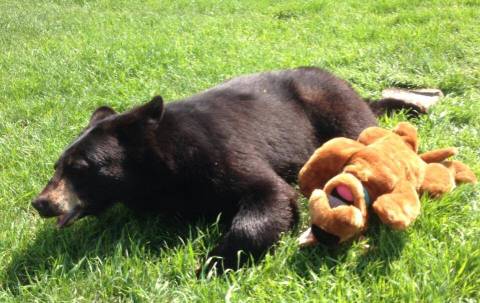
(389,106)
(232,149)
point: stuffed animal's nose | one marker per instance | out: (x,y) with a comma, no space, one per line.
(323,237)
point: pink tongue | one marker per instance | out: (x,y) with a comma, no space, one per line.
(344,192)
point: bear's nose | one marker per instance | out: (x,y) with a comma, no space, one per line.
(43,207)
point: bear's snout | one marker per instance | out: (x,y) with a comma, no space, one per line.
(45,207)
(59,200)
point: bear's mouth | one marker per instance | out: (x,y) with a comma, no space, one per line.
(68,218)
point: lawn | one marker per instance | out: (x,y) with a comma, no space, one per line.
(59,60)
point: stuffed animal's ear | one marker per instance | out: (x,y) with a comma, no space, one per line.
(325,163)
(100,113)
(408,133)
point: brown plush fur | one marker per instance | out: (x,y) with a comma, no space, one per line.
(385,164)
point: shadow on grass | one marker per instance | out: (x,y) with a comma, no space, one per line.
(55,250)
(385,246)
(64,249)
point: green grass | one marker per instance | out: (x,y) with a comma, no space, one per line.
(59,60)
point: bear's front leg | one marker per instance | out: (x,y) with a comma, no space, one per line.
(266,210)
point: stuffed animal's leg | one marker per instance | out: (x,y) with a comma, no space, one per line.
(462,173)
(441,178)
(399,208)
(438,180)
(438,155)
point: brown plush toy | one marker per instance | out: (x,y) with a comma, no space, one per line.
(382,171)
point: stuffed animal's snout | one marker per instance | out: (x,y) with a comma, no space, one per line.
(335,214)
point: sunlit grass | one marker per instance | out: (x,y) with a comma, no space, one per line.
(59,60)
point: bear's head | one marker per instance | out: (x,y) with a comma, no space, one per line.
(97,168)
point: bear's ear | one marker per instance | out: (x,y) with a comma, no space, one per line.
(154,109)
(101,113)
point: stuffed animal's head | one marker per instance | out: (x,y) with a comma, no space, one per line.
(337,175)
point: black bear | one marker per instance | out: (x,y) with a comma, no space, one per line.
(232,149)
